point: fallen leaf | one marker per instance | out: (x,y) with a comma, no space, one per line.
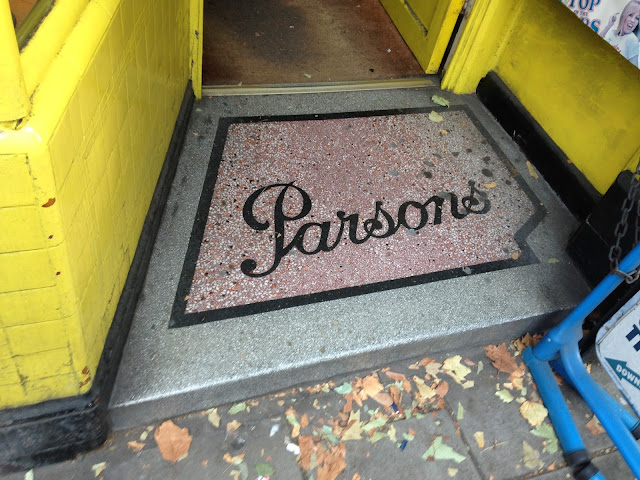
(234,460)
(534,412)
(435,116)
(460,413)
(354,429)
(443,131)
(433,369)
(343,389)
(441,451)
(135,446)
(532,170)
(237,408)
(307,75)
(531,457)
(399,377)
(383,399)
(504,395)
(503,361)
(551,441)
(490,185)
(479,437)
(356,476)
(375,423)
(452,472)
(442,388)
(29,475)
(264,469)
(424,390)
(438,100)
(480,368)
(233,426)
(594,426)
(213,417)
(307,448)
(49,203)
(173,442)
(455,369)
(371,385)
(242,473)
(98,468)
(553,260)
(334,463)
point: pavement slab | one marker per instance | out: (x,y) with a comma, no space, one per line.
(432,416)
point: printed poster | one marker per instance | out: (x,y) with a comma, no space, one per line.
(614,20)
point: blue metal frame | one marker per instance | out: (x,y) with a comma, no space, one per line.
(559,349)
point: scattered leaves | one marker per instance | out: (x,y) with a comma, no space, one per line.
(504,395)
(98,468)
(435,117)
(333,464)
(399,377)
(531,457)
(173,442)
(551,441)
(213,417)
(438,100)
(534,412)
(237,408)
(371,385)
(442,451)
(134,446)
(503,360)
(594,426)
(344,389)
(455,369)
(264,469)
(425,391)
(479,438)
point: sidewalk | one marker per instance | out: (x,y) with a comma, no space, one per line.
(469,414)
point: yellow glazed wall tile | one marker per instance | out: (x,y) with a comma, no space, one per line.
(12,396)
(34,306)
(8,371)
(26,270)
(51,363)
(25,229)
(16,187)
(37,337)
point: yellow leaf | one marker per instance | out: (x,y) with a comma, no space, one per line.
(532,170)
(534,412)
(455,369)
(237,460)
(135,446)
(490,185)
(214,418)
(354,430)
(371,385)
(479,436)
(452,472)
(424,390)
(531,457)
(233,426)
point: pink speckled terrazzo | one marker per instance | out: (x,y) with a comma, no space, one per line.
(429,198)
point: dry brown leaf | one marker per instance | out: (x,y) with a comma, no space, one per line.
(307,448)
(356,476)
(233,426)
(334,463)
(135,446)
(503,361)
(234,460)
(399,377)
(396,396)
(442,388)
(304,421)
(348,406)
(383,399)
(371,385)
(534,412)
(173,442)
(424,390)
(594,426)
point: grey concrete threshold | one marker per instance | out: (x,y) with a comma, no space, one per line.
(165,372)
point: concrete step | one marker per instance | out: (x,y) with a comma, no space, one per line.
(493,268)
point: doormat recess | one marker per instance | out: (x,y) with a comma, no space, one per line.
(302,209)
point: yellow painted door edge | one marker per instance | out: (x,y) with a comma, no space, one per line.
(485,33)
(427,42)
(14,102)
(195,45)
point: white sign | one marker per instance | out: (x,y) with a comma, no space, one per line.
(618,347)
(614,20)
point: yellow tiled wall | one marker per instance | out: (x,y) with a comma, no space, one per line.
(76,180)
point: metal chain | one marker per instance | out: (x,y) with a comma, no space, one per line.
(615,253)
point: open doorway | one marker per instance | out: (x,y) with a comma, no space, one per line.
(302,41)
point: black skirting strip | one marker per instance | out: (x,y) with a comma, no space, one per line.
(566,180)
(57,430)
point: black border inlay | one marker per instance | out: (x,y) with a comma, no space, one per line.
(181,319)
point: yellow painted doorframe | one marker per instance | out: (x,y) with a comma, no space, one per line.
(427,42)
(14,101)
(195,45)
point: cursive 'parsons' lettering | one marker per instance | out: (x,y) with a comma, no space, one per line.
(382,225)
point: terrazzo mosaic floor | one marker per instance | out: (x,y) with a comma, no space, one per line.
(301,209)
